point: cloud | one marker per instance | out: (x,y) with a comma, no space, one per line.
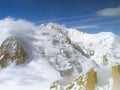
(19,28)
(109,12)
(64,18)
(86,27)
(10,26)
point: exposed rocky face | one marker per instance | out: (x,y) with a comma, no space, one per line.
(64,56)
(116,77)
(89,81)
(12,51)
(83,82)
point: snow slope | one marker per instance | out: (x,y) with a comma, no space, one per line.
(104,45)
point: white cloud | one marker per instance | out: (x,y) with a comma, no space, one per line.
(109,12)
(64,18)
(10,26)
(86,27)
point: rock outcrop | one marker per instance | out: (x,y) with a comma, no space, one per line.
(116,77)
(12,51)
(83,82)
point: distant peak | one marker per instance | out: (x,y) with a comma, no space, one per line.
(50,25)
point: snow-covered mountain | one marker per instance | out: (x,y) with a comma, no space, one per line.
(58,58)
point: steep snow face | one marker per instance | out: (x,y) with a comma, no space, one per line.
(103,47)
(55,46)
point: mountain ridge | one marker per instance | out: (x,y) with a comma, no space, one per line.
(65,52)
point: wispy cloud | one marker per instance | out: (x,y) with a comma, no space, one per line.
(109,22)
(97,25)
(64,18)
(109,12)
(91,19)
(95,21)
(86,27)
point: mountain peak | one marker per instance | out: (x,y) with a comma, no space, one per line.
(57,53)
(11,51)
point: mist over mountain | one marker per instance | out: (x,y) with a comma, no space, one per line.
(53,57)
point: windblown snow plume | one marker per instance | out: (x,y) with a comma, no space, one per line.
(58,58)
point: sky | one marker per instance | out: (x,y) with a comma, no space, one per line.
(91,16)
